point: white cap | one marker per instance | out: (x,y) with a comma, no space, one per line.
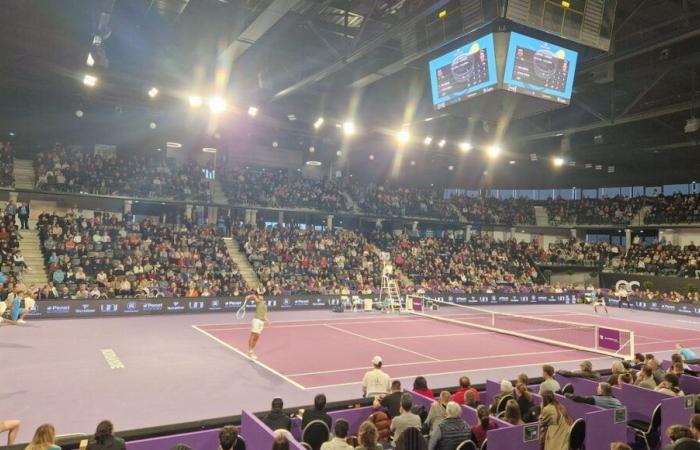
(377,360)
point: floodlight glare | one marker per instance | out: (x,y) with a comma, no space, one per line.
(442,143)
(89,80)
(403,136)
(216,104)
(90,60)
(465,146)
(428,140)
(153,92)
(349,128)
(319,123)
(558,161)
(252,111)
(494,151)
(195,101)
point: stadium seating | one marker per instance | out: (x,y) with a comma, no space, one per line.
(7,177)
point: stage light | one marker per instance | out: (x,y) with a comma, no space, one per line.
(209,150)
(275,144)
(312,149)
(319,123)
(195,101)
(349,128)
(90,60)
(216,104)
(252,111)
(465,146)
(403,136)
(153,92)
(494,151)
(511,162)
(313,163)
(89,80)
(428,140)
(450,167)
(79,113)
(152,125)
(173,145)
(558,161)
(371,157)
(442,143)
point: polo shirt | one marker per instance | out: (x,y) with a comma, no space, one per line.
(376,382)
(549,385)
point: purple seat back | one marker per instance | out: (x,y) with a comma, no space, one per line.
(690,384)
(197,440)
(257,435)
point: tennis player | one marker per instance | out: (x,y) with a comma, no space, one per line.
(16,307)
(598,299)
(258,322)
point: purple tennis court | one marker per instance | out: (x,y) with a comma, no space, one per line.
(148,371)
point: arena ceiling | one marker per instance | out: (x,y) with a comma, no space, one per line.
(341,59)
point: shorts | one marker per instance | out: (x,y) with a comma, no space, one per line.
(256,326)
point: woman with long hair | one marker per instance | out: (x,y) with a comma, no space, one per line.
(525,402)
(420,386)
(411,439)
(512,413)
(44,438)
(555,423)
(368,436)
(281,440)
(104,439)
(485,424)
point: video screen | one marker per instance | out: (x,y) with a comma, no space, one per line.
(463,73)
(539,69)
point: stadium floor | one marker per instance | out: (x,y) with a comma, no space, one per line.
(170,369)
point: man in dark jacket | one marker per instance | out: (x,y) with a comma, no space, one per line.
(450,432)
(586,371)
(277,419)
(104,439)
(318,413)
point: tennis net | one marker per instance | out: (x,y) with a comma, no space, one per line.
(608,341)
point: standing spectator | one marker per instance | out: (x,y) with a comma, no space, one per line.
(318,413)
(368,436)
(406,419)
(450,432)
(549,383)
(23,214)
(12,428)
(44,438)
(276,419)
(340,432)
(104,439)
(376,381)
(464,386)
(555,422)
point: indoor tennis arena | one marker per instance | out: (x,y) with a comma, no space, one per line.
(339,225)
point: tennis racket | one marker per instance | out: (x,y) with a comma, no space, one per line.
(240,314)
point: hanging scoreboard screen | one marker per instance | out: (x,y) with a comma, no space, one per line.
(588,22)
(539,69)
(463,73)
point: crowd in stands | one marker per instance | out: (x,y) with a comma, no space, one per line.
(278,188)
(494,211)
(12,263)
(444,264)
(401,201)
(7,167)
(73,170)
(604,211)
(289,260)
(657,259)
(574,252)
(674,209)
(106,256)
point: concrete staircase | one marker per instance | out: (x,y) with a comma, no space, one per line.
(218,195)
(24,174)
(541,217)
(638,219)
(241,260)
(31,249)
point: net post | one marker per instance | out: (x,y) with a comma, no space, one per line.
(632,349)
(596,337)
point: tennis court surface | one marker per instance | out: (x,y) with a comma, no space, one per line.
(313,354)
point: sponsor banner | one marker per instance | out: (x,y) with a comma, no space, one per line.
(132,307)
(609,339)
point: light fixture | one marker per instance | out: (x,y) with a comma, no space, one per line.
(89,80)
(90,60)
(413,163)
(319,123)
(79,113)
(371,157)
(173,145)
(216,104)
(313,163)
(442,143)
(252,111)
(465,146)
(292,117)
(450,167)
(152,125)
(153,92)
(428,140)
(494,151)
(339,153)
(558,161)
(349,128)
(511,162)
(275,144)
(403,136)
(209,150)
(195,101)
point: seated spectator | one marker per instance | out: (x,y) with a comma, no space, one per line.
(512,413)
(438,410)
(506,390)
(464,386)
(619,446)
(604,397)
(228,439)
(470,399)
(485,424)
(678,434)
(411,439)
(657,371)
(549,383)
(695,426)
(670,385)
(586,371)
(391,402)
(405,419)
(645,378)
(44,439)
(340,433)
(318,413)
(104,439)
(420,386)
(12,428)
(381,421)
(368,437)
(181,447)
(554,422)
(277,419)
(625,378)
(450,432)
(282,438)
(526,403)
(638,361)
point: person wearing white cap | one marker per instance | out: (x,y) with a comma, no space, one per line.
(376,381)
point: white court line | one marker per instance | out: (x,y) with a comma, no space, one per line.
(379,342)
(670,340)
(461,372)
(263,365)
(432,362)
(311,324)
